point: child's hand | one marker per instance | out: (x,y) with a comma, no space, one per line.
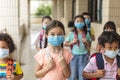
(100,73)
(50,64)
(10,77)
(118,72)
(74,40)
(61,60)
(84,40)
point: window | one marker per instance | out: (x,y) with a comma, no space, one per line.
(95,9)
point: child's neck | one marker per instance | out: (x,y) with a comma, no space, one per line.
(79,30)
(54,49)
(3,60)
(109,60)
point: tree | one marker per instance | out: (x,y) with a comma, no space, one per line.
(43,10)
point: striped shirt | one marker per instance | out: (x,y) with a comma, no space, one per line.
(17,69)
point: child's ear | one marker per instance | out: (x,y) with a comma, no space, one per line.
(103,49)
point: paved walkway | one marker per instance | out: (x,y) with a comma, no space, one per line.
(27,54)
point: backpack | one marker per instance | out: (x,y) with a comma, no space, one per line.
(99,59)
(76,36)
(10,67)
(42,39)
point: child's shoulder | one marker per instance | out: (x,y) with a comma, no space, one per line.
(41,52)
(66,51)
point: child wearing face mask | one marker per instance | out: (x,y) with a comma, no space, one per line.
(87,17)
(9,69)
(109,26)
(40,40)
(79,39)
(53,61)
(110,42)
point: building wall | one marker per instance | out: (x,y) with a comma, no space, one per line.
(14,18)
(81,6)
(110,11)
(9,19)
(114,13)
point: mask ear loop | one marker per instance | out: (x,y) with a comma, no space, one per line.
(48,55)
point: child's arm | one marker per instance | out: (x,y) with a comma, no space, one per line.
(71,43)
(118,72)
(64,65)
(41,72)
(97,74)
(87,43)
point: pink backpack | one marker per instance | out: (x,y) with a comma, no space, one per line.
(76,36)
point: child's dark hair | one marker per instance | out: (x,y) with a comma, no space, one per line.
(46,17)
(111,25)
(84,28)
(70,24)
(86,13)
(108,37)
(7,38)
(51,25)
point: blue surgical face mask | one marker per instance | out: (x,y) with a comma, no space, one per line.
(87,21)
(79,25)
(44,26)
(4,53)
(111,54)
(56,40)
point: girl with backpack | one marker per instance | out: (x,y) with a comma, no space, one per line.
(78,40)
(53,62)
(40,40)
(109,26)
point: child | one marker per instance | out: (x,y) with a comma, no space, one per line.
(110,42)
(79,39)
(40,40)
(9,69)
(53,61)
(109,26)
(87,17)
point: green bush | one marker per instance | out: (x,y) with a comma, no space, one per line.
(43,10)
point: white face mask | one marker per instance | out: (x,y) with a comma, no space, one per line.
(4,53)
(111,54)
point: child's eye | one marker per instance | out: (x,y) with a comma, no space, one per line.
(60,34)
(110,48)
(52,34)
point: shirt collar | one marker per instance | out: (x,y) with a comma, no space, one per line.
(105,62)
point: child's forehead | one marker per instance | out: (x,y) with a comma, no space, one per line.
(112,44)
(86,16)
(79,19)
(3,42)
(56,30)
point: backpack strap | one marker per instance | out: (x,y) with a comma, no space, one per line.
(9,67)
(118,61)
(118,64)
(99,61)
(42,38)
(75,36)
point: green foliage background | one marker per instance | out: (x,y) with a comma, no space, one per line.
(43,10)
